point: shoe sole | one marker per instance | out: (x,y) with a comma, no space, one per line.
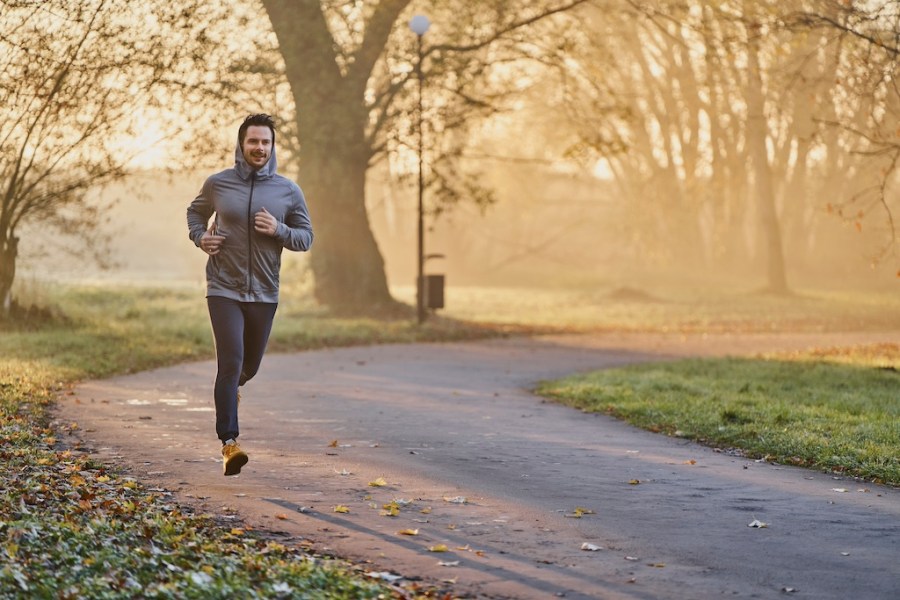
(233,467)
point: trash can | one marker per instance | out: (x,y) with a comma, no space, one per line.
(433,291)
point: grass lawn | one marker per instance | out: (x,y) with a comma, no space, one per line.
(835,411)
(72,528)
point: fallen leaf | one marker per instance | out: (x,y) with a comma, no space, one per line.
(840,490)
(454,563)
(580,511)
(333,444)
(384,575)
(657,565)
(439,548)
(340,508)
(456,500)
(757,523)
(281,516)
(408,532)
(634,482)
(201,579)
(380,482)
(690,462)
(591,547)
(426,510)
(632,558)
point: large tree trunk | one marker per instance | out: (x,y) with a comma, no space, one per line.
(346,261)
(331,123)
(757,130)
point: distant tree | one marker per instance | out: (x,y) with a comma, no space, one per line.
(738,122)
(864,39)
(81,80)
(350,65)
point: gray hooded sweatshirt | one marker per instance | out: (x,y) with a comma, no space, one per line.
(247,267)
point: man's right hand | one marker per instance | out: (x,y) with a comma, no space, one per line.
(211,242)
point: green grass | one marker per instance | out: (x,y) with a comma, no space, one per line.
(838,411)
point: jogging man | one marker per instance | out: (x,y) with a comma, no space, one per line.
(258,213)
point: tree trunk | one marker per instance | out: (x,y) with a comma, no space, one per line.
(757,130)
(9,249)
(345,260)
(331,123)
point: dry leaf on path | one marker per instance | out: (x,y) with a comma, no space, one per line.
(439,548)
(591,547)
(408,532)
(384,576)
(340,508)
(757,524)
(380,482)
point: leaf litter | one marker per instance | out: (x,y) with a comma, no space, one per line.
(71,527)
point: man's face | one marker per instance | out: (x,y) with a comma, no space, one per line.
(257,146)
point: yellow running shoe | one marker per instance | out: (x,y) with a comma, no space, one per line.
(234,458)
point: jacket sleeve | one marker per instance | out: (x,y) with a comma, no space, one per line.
(199,212)
(296,233)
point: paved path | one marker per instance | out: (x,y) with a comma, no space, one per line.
(441,422)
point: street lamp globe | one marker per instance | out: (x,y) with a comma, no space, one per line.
(419,24)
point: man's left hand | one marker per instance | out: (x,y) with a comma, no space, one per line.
(264,222)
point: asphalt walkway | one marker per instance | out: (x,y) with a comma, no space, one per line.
(479,465)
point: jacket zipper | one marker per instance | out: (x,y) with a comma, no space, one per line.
(249,236)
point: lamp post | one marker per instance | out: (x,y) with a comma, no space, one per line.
(419,24)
